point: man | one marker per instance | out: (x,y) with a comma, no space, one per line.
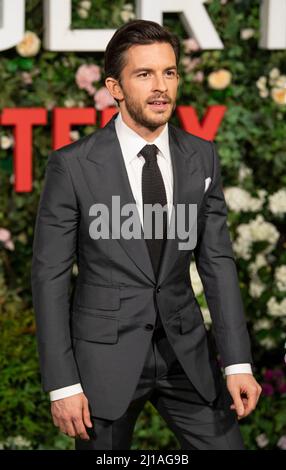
(132,329)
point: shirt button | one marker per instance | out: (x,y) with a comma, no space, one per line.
(158,289)
(149,326)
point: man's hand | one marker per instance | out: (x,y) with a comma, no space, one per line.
(245,392)
(71,415)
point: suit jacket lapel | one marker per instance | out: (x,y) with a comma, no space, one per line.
(188,188)
(105,165)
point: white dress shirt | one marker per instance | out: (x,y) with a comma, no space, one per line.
(131,143)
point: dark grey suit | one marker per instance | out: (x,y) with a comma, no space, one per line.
(100,333)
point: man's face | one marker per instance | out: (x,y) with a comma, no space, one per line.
(150,74)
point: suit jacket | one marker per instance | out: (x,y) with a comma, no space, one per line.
(99,332)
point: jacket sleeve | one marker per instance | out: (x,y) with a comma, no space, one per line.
(54,247)
(216,266)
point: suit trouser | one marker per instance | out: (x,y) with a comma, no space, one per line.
(196,423)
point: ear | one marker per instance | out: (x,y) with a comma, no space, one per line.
(114,88)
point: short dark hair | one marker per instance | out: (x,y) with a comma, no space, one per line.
(131,33)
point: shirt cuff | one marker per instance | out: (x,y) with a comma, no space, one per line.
(238,369)
(65,392)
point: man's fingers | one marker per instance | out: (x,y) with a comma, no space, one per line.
(86,415)
(71,415)
(66,426)
(56,421)
(251,400)
(259,390)
(244,401)
(238,403)
(80,428)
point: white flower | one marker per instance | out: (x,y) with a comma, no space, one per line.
(244,172)
(256,288)
(262,324)
(75,269)
(85,4)
(127,15)
(29,46)
(259,261)
(195,279)
(18,441)
(281,81)
(280,277)
(256,230)
(128,6)
(263,231)
(247,33)
(74,135)
(274,73)
(6,142)
(70,103)
(268,343)
(82,13)
(277,202)
(262,440)
(264,93)
(206,315)
(243,243)
(261,82)
(276,309)
(239,200)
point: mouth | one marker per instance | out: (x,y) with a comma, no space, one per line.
(158,105)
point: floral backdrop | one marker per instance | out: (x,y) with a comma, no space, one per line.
(251,83)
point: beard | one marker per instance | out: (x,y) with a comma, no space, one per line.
(141,117)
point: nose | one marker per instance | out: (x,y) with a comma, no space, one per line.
(159,83)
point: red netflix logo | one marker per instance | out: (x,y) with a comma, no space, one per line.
(24,119)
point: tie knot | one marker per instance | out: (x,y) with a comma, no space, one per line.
(149,152)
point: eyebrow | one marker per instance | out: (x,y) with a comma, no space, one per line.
(146,69)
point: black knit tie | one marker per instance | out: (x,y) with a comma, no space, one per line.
(153,192)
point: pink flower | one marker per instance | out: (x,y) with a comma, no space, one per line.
(86,75)
(282,443)
(190,45)
(5,238)
(27,78)
(190,64)
(262,440)
(103,99)
(199,76)
(5,235)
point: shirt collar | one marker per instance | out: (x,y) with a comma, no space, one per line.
(131,143)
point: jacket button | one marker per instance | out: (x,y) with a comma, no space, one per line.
(149,326)
(158,289)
